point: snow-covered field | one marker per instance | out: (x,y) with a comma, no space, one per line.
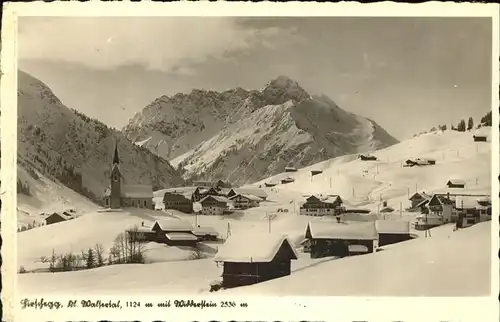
(433,266)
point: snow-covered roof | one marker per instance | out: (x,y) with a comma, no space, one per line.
(484,131)
(252,247)
(133,191)
(457,181)
(467,202)
(187,192)
(250,191)
(354,230)
(249,197)
(205,231)
(218,198)
(174,225)
(63,216)
(180,236)
(141,229)
(392,226)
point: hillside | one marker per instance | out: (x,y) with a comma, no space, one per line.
(376,274)
(243,136)
(68,147)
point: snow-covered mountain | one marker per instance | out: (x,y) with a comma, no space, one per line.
(66,146)
(243,136)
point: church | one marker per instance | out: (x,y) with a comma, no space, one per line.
(119,195)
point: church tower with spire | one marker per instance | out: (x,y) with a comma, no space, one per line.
(115,197)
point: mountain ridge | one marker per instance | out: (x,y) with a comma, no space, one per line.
(183,127)
(68,146)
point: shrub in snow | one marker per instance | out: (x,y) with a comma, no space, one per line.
(22,270)
(215,286)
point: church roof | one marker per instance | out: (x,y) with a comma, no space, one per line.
(116,159)
(133,191)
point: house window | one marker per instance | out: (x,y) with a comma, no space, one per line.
(107,202)
(145,203)
(115,177)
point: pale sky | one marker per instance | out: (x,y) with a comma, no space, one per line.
(408,74)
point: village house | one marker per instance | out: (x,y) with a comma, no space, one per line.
(442,205)
(456,183)
(57,217)
(247,262)
(203,192)
(417,198)
(212,184)
(270,184)
(340,239)
(392,231)
(178,199)
(472,209)
(322,206)
(119,195)
(248,191)
(242,201)
(290,169)
(214,205)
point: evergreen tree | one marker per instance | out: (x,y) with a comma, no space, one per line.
(470,124)
(461,126)
(90,259)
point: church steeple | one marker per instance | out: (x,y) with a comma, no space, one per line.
(116,159)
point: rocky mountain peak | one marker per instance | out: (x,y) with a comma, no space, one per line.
(282,89)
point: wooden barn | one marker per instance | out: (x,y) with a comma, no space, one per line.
(456,183)
(174,232)
(287,180)
(482,134)
(57,217)
(364,157)
(270,184)
(331,238)
(392,231)
(253,258)
(290,169)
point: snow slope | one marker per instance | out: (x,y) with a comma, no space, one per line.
(68,146)
(47,196)
(451,264)
(85,232)
(398,269)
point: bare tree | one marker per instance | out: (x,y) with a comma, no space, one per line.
(99,253)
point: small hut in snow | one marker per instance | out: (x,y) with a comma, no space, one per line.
(248,262)
(392,231)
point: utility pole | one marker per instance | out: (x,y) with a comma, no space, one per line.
(353,193)
(401,209)
(330,182)
(228,230)
(416,187)
(269,220)
(408,192)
